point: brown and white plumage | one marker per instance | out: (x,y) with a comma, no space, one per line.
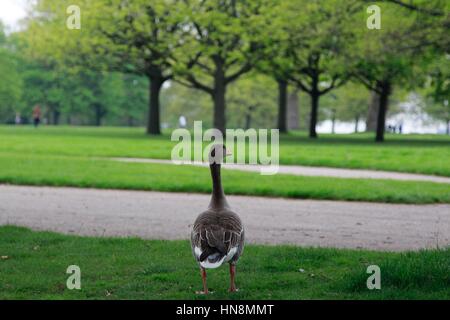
(217,237)
(218,234)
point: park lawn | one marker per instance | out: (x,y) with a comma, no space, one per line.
(427,154)
(34,264)
(29,169)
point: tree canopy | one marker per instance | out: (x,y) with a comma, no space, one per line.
(239,56)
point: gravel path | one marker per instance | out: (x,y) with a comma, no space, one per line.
(157,215)
(314,171)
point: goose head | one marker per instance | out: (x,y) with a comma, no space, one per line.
(218,154)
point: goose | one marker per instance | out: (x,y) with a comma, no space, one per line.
(217,236)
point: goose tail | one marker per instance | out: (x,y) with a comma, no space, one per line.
(210,258)
(212,263)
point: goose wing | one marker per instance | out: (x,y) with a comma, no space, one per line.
(217,237)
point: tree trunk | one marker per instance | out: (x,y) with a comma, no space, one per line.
(219,107)
(248,117)
(98,114)
(356,124)
(385,91)
(333,121)
(153,122)
(248,120)
(282,105)
(293,112)
(448,127)
(218,95)
(130,121)
(314,111)
(371,122)
(55,115)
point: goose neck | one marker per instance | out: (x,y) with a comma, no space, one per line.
(218,199)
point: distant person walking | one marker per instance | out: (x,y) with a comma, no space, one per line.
(37,115)
(182,122)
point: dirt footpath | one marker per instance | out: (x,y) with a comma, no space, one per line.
(158,215)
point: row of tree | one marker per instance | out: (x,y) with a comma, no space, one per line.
(66,94)
(315,46)
(96,98)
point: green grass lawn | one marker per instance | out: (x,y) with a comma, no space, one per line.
(67,157)
(90,173)
(426,154)
(33,266)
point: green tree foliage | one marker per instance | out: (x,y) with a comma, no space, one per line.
(252,100)
(348,104)
(437,90)
(180,100)
(439,76)
(250,103)
(11,85)
(218,47)
(134,37)
(307,46)
(396,54)
(129,53)
(76,95)
(130,99)
(440,112)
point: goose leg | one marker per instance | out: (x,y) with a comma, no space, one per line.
(232,276)
(205,287)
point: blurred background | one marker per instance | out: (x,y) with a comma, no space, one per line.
(278,53)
